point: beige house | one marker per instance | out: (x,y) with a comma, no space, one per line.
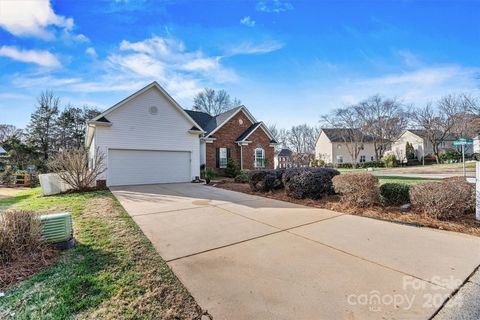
(332,148)
(418,138)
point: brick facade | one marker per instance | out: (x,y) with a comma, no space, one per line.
(226,136)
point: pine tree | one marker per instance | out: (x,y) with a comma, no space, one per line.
(41,130)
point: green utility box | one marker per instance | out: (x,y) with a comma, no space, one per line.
(57,229)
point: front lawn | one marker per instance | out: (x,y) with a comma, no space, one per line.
(404,180)
(113,272)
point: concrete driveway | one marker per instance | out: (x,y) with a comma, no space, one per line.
(248,257)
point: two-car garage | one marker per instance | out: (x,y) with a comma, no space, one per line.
(129,167)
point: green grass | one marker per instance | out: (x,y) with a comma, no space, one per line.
(404,180)
(113,272)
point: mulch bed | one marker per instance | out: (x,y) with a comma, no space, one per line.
(25,266)
(468,224)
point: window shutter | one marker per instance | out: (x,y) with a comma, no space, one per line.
(217,157)
(228,153)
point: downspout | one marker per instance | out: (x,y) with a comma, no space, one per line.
(241,157)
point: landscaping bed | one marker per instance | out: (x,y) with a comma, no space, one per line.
(113,272)
(466,224)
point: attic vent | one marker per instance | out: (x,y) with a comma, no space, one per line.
(153,110)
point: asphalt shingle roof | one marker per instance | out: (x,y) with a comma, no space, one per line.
(285,153)
(208,122)
(248,131)
(338,134)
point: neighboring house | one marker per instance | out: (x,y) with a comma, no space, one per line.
(423,147)
(3,158)
(149,138)
(284,159)
(3,153)
(234,134)
(331,147)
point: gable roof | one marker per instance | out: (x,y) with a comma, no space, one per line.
(245,134)
(424,134)
(338,134)
(285,153)
(210,124)
(102,116)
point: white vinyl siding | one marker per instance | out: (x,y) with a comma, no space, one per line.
(134,128)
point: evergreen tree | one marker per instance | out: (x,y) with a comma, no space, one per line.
(41,130)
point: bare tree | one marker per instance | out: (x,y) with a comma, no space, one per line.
(73,168)
(438,122)
(350,124)
(214,102)
(302,138)
(8,131)
(384,120)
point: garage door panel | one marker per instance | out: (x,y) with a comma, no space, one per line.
(130,167)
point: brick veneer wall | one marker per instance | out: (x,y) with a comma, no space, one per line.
(226,136)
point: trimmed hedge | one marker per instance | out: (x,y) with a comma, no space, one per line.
(357,189)
(311,183)
(265,180)
(395,193)
(446,199)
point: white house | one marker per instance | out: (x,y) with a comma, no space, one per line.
(146,138)
(332,148)
(423,147)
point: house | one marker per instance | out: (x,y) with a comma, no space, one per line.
(149,138)
(420,143)
(234,134)
(333,148)
(284,159)
(3,153)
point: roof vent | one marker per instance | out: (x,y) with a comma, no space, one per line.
(153,110)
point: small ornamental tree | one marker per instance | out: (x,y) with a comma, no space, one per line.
(73,168)
(232,170)
(409,151)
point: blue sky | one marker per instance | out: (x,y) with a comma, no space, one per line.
(288,61)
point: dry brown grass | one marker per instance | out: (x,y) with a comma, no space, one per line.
(466,224)
(22,250)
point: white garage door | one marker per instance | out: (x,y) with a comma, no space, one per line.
(128,167)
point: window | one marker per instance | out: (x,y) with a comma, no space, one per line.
(259,158)
(362,159)
(339,159)
(339,146)
(222,156)
(371,158)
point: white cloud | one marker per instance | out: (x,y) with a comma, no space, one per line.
(247,21)
(42,58)
(91,52)
(80,38)
(274,6)
(31,18)
(255,48)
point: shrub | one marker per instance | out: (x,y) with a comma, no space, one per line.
(395,193)
(20,234)
(390,160)
(317,163)
(371,164)
(265,180)
(209,175)
(232,169)
(357,189)
(312,183)
(73,168)
(344,165)
(7,177)
(450,155)
(446,199)
(242,177)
